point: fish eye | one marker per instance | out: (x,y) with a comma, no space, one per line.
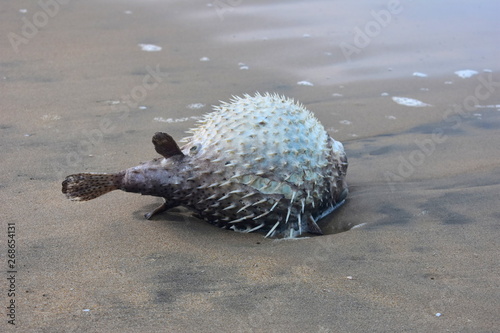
(194,149)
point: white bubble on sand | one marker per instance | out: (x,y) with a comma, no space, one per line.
(418,74)
(390,117)
(384,94)
(204,59)
(337,95)
(195,106)
(143,107)
(409,102)
(491,106)
(175,120)
(170,120)
(305,83)
(23,10)
(243,66)
(466,73)
(49,117)
(150,47)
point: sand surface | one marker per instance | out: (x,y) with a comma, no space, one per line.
(79,93)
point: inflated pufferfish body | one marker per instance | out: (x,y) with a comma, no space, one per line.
(261,162)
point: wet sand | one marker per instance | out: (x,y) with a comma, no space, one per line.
(79,94)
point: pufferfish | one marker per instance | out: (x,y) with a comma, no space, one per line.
(261,162)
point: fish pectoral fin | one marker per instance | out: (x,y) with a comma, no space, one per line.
(160,209)
(165,145)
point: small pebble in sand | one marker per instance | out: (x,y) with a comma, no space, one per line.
(143,107)
(348,277)
(438,314)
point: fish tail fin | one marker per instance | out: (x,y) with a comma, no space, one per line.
(87,186)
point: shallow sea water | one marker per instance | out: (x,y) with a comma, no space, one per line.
(410,87)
